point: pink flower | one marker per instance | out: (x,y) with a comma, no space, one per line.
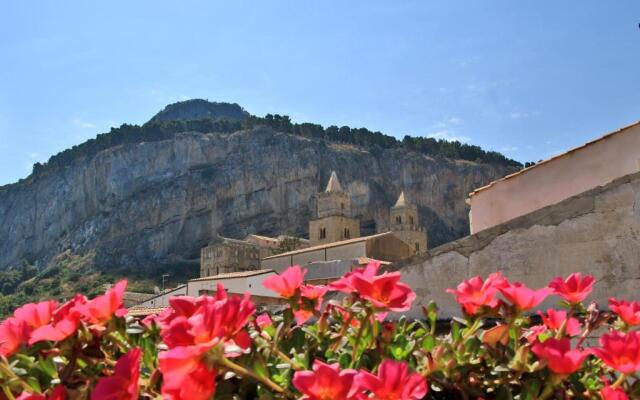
(522,297)
(475,293)
(184,374)
(629,312)
(13,333)
(394,381)
(58,393)
(64,322)
(384,291)
(287,283)
(574,289)
(613,393)
(123,384)
(554,320)
(326,382)
(102,308)
(620,351)
(264,321)
(560,358)
(345,284)
(36,315)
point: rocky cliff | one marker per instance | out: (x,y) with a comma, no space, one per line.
(159,202)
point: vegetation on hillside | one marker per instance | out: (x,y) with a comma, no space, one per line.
(157,130)
(68,274)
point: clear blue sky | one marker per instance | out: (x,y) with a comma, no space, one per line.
(529,79)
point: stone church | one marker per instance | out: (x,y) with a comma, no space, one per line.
(333,227)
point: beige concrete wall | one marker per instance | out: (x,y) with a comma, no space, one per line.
(585,168)
(596,232)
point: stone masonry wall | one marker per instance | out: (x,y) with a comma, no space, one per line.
(596,232)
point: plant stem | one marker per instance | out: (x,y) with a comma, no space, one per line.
(7,392)
(620,380)
(240,370)
(356,345)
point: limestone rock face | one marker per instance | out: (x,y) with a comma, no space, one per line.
(159,202)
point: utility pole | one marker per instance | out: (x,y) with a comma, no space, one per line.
(164,277)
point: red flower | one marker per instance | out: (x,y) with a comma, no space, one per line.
(63,324)
(384,291)
(36,315)
(522,297)
(393,382)
(310,300)
(560,358)
(475,293)
(58,393)
(102,308)
(554,320)
(184,374)
(123,384)
(574,289)
(287,283)
(326,382)
(613,393)
(222,320)
(629,312)
(13,333)
(345,284)
(619,351)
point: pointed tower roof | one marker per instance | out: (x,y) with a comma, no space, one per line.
(401,200)
(334,183)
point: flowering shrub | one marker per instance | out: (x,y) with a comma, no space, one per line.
(329,342)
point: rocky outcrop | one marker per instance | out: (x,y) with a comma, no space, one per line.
(159,202)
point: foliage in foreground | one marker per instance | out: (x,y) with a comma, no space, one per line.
(221,347)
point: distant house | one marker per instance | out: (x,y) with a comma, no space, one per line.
(593,164)
(236,283)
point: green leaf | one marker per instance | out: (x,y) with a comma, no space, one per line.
(530,390)
(48,367)
(429,342)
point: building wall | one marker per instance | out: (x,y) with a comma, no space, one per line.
(252,284)
(335,229)
(388,248)
(585,168)
(162,300)
(229,256)
(343,252)
(417,239)
(596,232)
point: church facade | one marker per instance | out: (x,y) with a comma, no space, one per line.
(334,227)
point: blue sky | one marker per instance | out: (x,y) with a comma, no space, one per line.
(529,79)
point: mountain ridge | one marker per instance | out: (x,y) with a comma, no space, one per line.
(148,203)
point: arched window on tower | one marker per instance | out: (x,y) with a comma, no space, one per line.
(323,233)
(417,247)
(347,234)
(398,219)
(411,220)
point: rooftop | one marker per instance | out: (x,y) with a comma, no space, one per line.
(329,245)
(334,183)
(231,275)
(561,155)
